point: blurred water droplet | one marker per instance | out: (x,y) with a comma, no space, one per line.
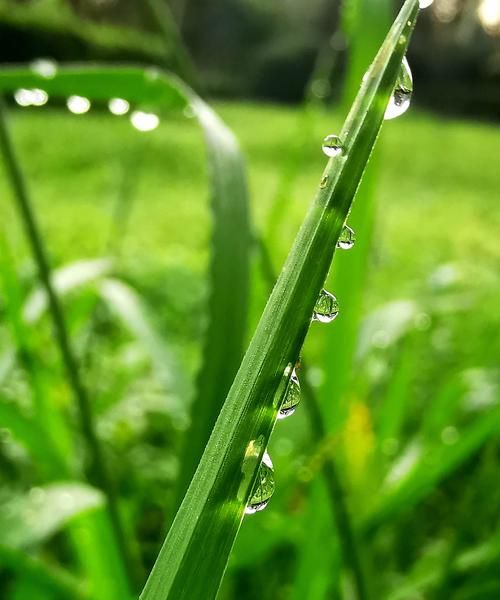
(45,67)
(78,105)
(320,88)
(425,3)
(326,309)
(324,182)
(332,146)
(401,96)
(264,487)
(144,121)
(292,397)
(34,97)
(347,238)
(118,106)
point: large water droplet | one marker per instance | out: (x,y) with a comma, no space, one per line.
(401,96)
(332,146)
(425,3)
(326,309)
(78,105)
(118,106)
(144,121)
(263,488)
(292,397)
(347,238)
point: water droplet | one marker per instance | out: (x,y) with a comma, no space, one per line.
(347,238)
(292,397)
(332,146)
(324,182)
(401,96)
(263,488)
(144,121)
(425,3)
(34,97)
(78,105)
(326,309)
(45,67)
(119,106)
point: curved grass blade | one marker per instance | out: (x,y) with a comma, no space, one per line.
(231,239)
(193,559)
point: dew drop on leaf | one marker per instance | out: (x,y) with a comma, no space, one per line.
(292,397)
(332,146)
(263,488)
(401,96)
(425,3)
(326,309)
(347,238)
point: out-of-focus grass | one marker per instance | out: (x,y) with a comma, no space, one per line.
(438,188)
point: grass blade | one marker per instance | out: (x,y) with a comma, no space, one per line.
(224,339)
(211,513)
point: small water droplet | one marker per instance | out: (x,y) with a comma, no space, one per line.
(324,182)
(292,397)
(45,67)
(118,106)
(144,121)
(347,238)
(326,309)
(401,96)
(332,146)
(425,3)
(78,105)
(263,488)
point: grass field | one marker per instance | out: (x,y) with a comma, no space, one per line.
(436,242)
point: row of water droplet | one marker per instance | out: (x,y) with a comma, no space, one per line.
(326,309)
(79,105)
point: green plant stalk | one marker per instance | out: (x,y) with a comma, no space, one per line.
(98,470)
(209,518)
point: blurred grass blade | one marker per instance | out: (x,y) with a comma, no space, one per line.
(193,559)
(31,519)
(224,338)
(128,306)
(437,463)
(65,280)
(45,575)
(30,435)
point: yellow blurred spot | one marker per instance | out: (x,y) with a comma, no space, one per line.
(358,438)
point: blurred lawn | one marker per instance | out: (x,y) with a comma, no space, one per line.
(438,189)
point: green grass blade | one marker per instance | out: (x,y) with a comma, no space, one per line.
(224,339)
(194,556)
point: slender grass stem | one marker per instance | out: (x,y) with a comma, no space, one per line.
(98,472)
(334,486)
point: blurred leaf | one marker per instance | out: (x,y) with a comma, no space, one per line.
(66,280)
(128,306)
(195,554)
(32,518)
(437,462)
(28,433)
(57,18)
